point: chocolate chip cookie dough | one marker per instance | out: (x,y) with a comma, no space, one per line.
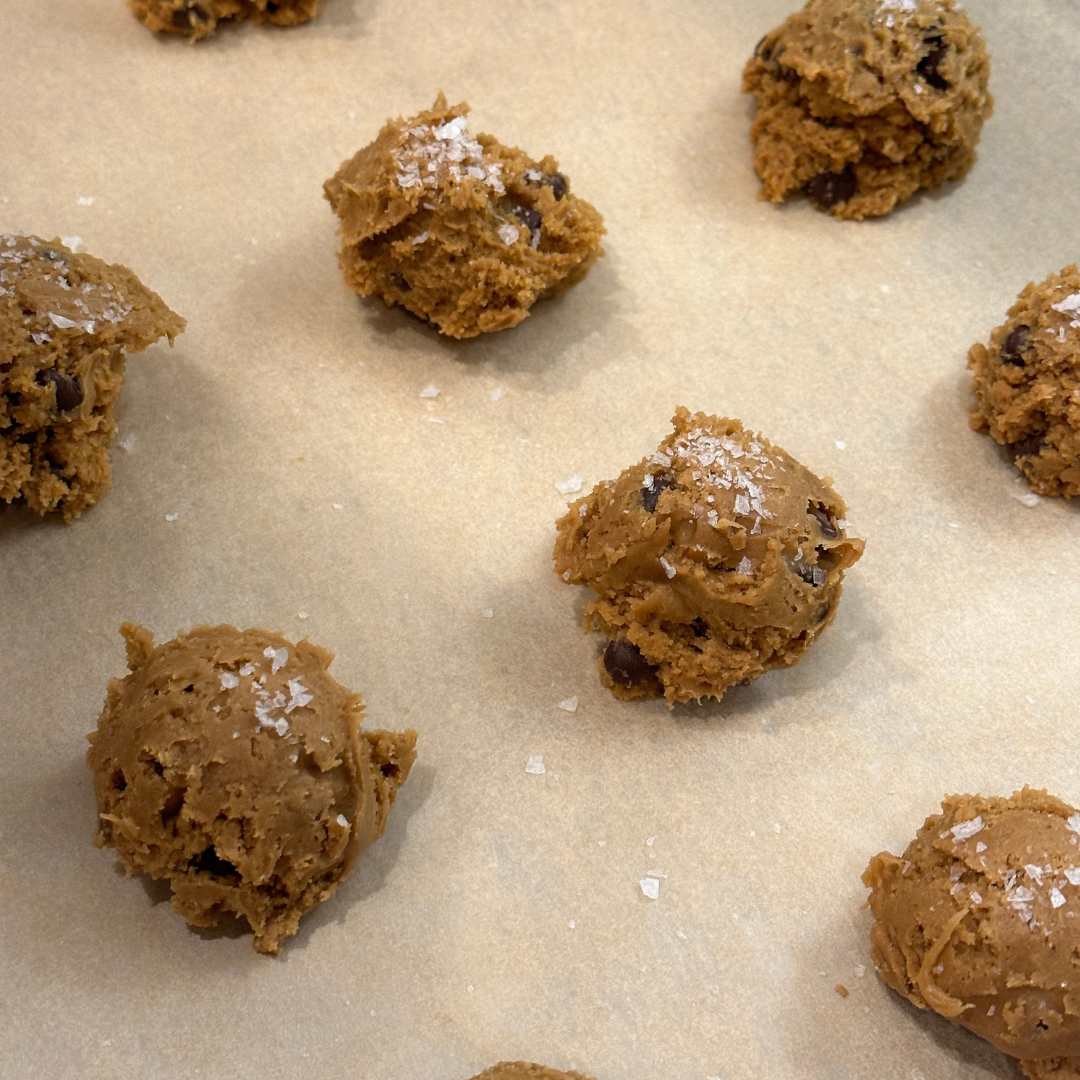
(1027,384)
(66,323)
(523,1070)
(232,765)
(978,921)
(197,19)
(461,231)
(861,103)
(714,560)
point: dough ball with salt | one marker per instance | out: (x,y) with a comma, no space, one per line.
(458,229)
(195,19)
(232,765)
(1026,383)
(861,103)
(525,1070)
(979,920)
(713,560)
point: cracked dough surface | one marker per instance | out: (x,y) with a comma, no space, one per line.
(197,19)
(713,560)
(67,322)
(462,232)
(978,921)
(1027,384)
(861,103)
(232,765)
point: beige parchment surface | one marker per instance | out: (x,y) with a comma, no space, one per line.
(501,916)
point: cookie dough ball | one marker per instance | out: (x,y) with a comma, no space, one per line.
(230,764)
(66,323)
(199,18)
(715,559)
(978,921)
(863,102)
(523,1070)
(1027,384)
(461,231)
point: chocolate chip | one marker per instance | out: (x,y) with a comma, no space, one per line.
(829,188)
(700,627)
(209,862)
(1028,447)
(1017,341)
(929,64)
(530,218)
(767,55)
(625,664)
(650,496)
(557,183)
(825,522)
(69,393)
(399,282)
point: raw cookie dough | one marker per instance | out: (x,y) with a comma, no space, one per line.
(66,322)
(1027,384)
(463,232)
(523,1070)
(978,921)
(232,765)
(863,102)
(715,559)
(199,18)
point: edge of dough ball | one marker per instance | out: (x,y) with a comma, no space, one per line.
(526,1070)
(198,19)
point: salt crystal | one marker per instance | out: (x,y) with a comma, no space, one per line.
(488,613)
(343,821)
(248,669)
(570,704)
(338,506)
(745,567)
(431,390)
(650,887)
(1073,875)
(976,898)
(536,765)
(570,485)
(980,847)
(436,420)
(1069,306)
(660,458)
(171,517)
(127,442)
(572,924)
(656,873)
(508,233)
(649,841)
(668,568)
(278,658)
(1028,498)
(299,696)
(420,239)
(229,680)
(841,445)
(1057,897)
(498,393)
(73,243)
(776,827)
(742,505)
(1073,824)
(713,519)
(301,614)
(86,200)
(966,829)
(533,175)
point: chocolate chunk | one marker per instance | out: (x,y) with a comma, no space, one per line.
(530,218)
(400,283)
(650,496)
(700,628)
(1028,447)
(625,664)
(1017,341)
(209,862)
(69,393)
(557,183)
(829,188)
(825,522)
(929,64)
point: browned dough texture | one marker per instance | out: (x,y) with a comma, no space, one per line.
(863,102)
(523,1070)
(1027,384)
(715,559)
(66,323)
(197,19)
(978,921)
(232,765)
(463,232)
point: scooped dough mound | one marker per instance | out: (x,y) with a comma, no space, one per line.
(66,323)
(523,1070)
(199,18)
(977,921)
(1027,384)
(863,102)
(715,559)
(230,764)
(461,231)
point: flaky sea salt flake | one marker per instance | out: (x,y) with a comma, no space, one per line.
(570,485)
(569,704)
(229,680)
(966,829)
(668,568)
(535,765)
(278,658)
(650,887)
(508,233)
(430,391)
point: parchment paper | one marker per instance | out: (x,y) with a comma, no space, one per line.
(501,915)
